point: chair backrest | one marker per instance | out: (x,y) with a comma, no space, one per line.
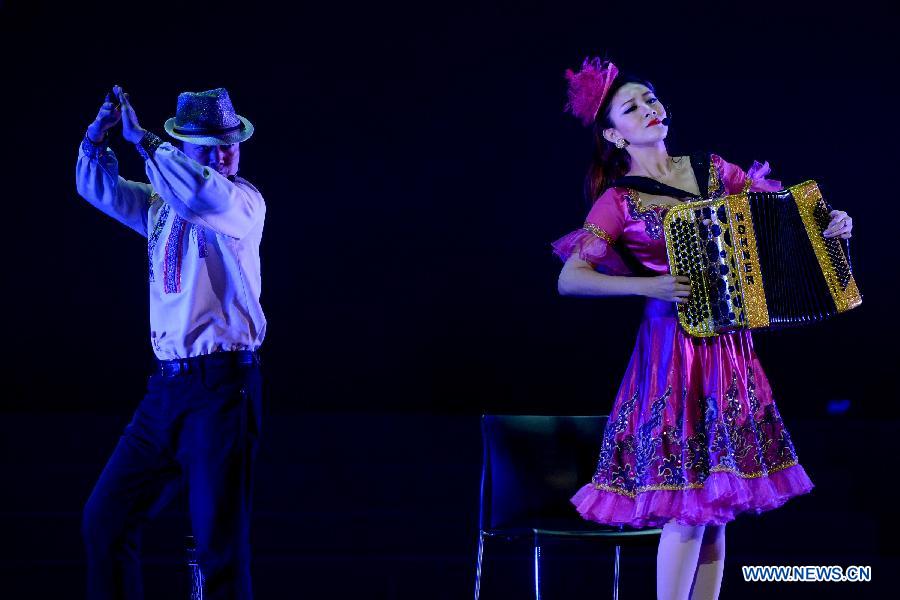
(533,465)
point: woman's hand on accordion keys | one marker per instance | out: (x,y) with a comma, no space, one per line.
(841,225)
(673,288)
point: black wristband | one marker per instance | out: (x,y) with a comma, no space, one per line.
(91,148)
(148,144)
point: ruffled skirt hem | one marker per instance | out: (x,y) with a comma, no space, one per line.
(723,496)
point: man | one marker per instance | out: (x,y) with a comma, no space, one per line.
(199,421)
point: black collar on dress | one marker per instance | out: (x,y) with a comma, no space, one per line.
(646,185)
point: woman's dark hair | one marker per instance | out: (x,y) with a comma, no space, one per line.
(609,163)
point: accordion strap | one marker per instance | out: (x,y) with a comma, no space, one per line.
(645,185)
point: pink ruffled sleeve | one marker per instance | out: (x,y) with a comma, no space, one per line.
(736,180)
(595,241)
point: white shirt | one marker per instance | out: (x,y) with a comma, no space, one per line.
(203,235)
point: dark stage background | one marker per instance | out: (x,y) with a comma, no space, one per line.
(416,163)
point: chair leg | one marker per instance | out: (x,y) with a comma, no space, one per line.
(537,567)
(616,573)
(478,565)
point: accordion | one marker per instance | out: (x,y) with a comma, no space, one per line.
(758,260)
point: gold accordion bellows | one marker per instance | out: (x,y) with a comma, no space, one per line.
(758,260)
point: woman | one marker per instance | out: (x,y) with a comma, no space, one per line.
(694,437)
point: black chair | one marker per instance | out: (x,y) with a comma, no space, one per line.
(532,466)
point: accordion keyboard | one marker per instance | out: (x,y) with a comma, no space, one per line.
(758,260)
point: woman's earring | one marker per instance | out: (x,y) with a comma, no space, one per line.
(621,143)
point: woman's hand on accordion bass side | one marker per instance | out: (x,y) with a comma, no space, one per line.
(841,225)
(673,288)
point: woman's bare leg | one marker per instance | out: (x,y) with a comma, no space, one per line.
(710,564)
(676,560)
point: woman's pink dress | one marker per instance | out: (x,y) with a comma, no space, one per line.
(694,434)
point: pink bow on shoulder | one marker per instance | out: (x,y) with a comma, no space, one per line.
(756,179)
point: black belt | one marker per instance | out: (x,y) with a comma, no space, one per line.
(183,366)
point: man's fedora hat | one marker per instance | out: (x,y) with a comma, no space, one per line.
(208,119)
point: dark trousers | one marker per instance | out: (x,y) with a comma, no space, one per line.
(197,427)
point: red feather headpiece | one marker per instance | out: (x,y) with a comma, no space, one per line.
(589,87)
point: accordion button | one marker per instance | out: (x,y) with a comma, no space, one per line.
(720,213)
